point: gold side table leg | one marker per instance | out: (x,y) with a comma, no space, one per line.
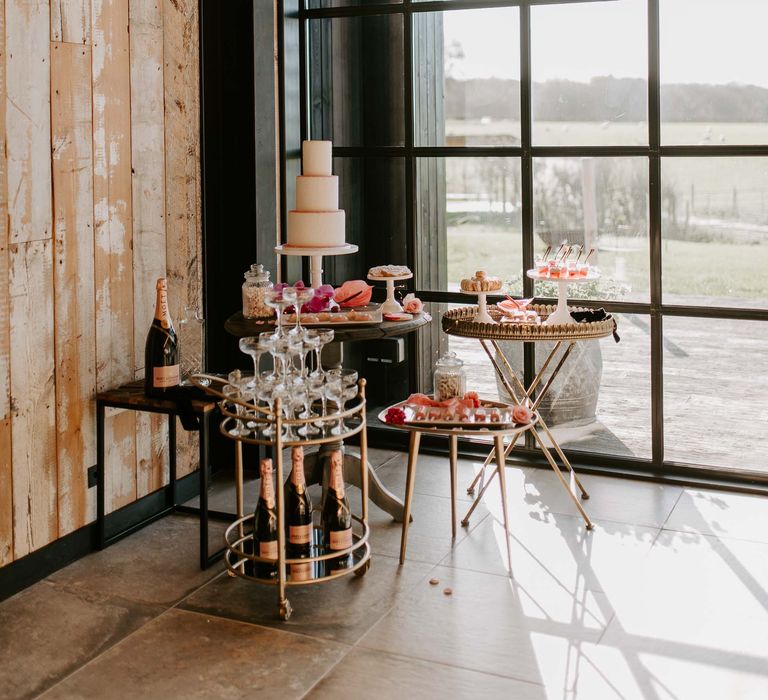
(561,454)
(560,476)
(500,462)
(413,454)
(454,440)
(479,497)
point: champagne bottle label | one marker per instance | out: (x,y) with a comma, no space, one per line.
(268,549)
(337,473)
(300,534)
(267,487)
(341,539)
(163,377)
(301,572)
(297,469)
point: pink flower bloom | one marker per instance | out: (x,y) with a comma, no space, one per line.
(521,415)
(412,304)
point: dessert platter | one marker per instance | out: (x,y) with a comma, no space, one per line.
(467,412)
(390,274)
(316,227)
(564,271)
(360,316)
(481,284)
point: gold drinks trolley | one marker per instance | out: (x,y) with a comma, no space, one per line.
(461,322)
(244,422)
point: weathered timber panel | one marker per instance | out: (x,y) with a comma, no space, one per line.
(75,337)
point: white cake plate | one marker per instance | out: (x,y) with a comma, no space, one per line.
(315,256)
(561,313)
(391,306)
(482,315)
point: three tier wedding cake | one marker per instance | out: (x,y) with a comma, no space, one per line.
(317,221)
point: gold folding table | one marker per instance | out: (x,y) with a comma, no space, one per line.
(461,322)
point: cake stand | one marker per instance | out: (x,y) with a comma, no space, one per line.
(561,313)
(315,256)
(391,306)
(482,315)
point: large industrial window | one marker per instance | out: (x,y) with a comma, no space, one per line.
(472,135)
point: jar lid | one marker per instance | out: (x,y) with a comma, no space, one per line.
(257,273)
(449,359)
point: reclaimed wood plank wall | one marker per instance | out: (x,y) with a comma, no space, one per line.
(99,196)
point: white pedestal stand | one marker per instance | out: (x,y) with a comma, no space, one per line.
(561,314)
(315,256)
(482,315)
(391,306)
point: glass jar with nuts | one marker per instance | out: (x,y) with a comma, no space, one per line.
(254,292)
(450,377)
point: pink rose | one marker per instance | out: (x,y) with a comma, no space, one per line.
(412,304)
(521,415)
(395,416)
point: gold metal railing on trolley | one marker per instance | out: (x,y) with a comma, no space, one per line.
(251,419)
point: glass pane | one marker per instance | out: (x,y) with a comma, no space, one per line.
(320,4)
(466,77)
(480,374)
(601,399)
(715,231)
(356,81)
(714,86)
(468,219)
(716,392)
(600,204)
(589,69)
(372,194)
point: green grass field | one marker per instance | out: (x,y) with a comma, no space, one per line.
(690,269)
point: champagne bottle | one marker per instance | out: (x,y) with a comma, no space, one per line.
(298,517)
(161,352)
(265,522)
(337,518)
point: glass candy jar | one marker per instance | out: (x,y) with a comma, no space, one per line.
(254,291)
(450,377)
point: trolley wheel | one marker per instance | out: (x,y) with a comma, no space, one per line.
(285,610)
(470,492)
(363,569)
(585,496)
(465,522)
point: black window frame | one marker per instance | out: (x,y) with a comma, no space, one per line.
(298,16)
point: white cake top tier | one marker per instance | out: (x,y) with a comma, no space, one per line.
(316,157)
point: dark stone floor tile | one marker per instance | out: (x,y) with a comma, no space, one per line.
(47,632)
(342,610)
(492,624)
(368,674)
(429,535)
(158,565)
(433,476)
(196,657)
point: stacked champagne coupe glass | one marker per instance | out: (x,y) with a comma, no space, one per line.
(295,402)
(297,377)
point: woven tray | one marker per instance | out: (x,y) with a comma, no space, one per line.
(460,322)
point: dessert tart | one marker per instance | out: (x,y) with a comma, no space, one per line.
(389,271)
(481,282)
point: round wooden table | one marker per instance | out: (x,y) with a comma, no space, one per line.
(316,464)
(497,433)
(242,327)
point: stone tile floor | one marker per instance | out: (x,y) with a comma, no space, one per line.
(666,598)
